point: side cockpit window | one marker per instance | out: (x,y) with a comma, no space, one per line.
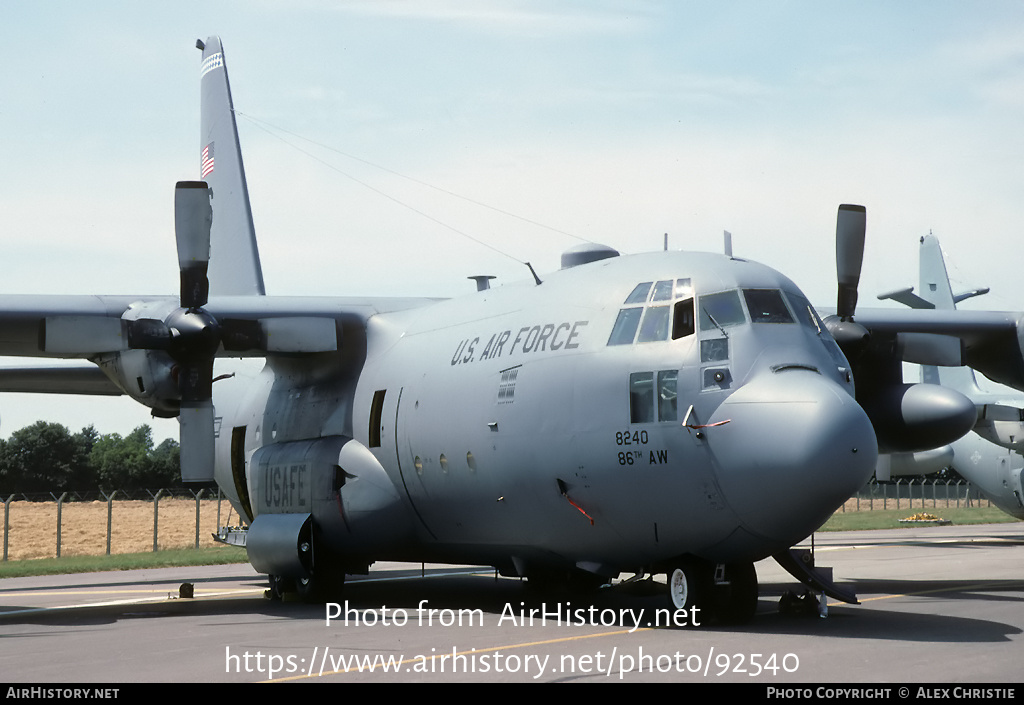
(655,311)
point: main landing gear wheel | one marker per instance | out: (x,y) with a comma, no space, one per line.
(736,598)
(689,583)
(279,585)
(320,588)
(707,591)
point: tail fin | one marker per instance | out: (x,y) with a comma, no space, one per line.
(234,258)
(935,289)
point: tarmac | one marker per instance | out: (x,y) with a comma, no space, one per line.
(938,605)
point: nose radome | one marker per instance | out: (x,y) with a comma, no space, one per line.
(795,448)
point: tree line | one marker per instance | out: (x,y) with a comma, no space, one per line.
(47,457)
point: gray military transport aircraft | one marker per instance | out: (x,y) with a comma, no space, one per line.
(673,413)
(990,457)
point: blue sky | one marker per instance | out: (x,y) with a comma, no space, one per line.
(613,121)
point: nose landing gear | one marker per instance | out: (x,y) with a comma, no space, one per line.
(726,592)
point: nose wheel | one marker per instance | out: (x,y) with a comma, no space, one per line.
(726,592)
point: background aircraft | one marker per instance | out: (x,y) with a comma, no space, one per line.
(677,413)
(990,457)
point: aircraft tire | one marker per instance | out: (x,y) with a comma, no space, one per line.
(736,603)
(319,589)
(689,583)
(279,585)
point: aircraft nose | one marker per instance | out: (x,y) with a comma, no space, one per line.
(795,448)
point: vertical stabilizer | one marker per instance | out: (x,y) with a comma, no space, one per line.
(935,289)
(234,257)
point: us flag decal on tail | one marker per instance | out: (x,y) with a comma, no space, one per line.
(206,162)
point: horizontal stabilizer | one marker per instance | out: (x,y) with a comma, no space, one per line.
(907,297)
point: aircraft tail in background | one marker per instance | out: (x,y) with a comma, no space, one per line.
(234,257)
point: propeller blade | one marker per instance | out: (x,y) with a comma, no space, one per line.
(850,226)
(193,217)
(197,441)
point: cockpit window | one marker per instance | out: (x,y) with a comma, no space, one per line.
(655,311)
(682,319)
(662,291)
(655,325)
(639,293)
(625,326)
(721,310)
(805,314)
(766,306)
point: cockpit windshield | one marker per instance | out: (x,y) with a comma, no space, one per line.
(766,306)
(721,310)
(665,310)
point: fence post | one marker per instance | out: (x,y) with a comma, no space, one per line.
(7,522)
(60,506)
(110,511)
(197,496)
(156,514)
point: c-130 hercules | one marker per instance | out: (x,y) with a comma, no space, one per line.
(671,413)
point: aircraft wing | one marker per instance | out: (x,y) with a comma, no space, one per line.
(988,341)
(25,321)
(69,326)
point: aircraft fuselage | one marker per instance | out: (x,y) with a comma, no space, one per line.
(620,414)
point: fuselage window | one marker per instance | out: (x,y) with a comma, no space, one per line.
(667,390)
(714,349)
(766,306)
(376,411)
(653,398)
(721,310)
(641,397)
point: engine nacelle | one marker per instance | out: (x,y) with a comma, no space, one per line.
(147,376)
(916,417)
(923,462)
(281,544)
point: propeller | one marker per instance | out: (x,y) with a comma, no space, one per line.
(189,334)
(851,222)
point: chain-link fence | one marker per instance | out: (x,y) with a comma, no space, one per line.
(915,493)
(40,526)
